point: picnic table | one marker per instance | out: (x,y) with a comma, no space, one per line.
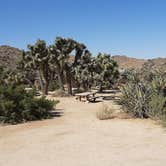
(87,96)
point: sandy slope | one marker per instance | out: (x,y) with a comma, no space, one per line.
(79,139)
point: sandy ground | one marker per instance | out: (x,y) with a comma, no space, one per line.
(79,139)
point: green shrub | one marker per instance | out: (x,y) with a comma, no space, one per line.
(157,108)
(17,105)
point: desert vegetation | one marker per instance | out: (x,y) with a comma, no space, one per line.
(66,62)
(61,66)
(144,93)
(18,105)
(66,65)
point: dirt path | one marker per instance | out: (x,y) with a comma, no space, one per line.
(79,139)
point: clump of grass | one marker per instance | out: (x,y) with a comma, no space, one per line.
(105,113)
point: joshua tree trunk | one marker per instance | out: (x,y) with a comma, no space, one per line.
(46,88)
(101,89)
(44,83)
(41,81)
(68,80)
(60,82)
(60,79)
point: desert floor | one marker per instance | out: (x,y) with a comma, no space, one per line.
(78,138)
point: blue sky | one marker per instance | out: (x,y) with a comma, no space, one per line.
(136,28)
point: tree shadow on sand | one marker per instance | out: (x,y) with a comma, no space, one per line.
(113,98)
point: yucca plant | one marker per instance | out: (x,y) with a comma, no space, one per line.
(145,99)
(135,97)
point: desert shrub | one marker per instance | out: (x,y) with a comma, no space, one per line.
(135,98)
(145,99)
(18,105)
(158,84)
(157,108)
(105,113)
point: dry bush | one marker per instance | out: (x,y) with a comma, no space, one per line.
(105,113)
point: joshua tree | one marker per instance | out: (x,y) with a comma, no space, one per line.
(83,71)
(100,71)
(62,53)
(27,74)
(38,58)
(57,60)
(105,70)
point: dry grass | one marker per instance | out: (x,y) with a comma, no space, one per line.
(105,113)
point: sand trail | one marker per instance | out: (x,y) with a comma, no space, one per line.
(78,138)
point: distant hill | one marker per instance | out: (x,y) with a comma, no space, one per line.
(128,62)
(9,56)
(159,61)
